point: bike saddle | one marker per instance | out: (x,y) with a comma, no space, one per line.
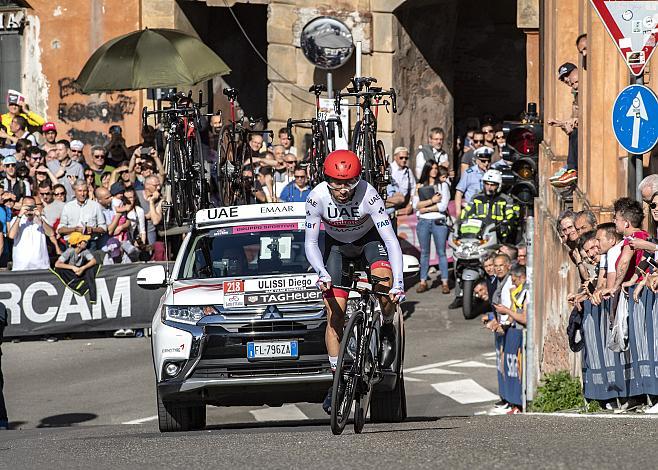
(317,89)
(231,93)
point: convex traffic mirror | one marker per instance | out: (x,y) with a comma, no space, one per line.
(327,42)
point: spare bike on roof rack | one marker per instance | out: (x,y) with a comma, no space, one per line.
(234,153)
(322,137)
(364,136)
(185,189)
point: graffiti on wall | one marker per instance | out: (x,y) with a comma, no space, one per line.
(103,111)
(110,108)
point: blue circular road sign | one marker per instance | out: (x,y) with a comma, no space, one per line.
(635,119)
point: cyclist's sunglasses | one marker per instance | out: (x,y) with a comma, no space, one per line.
(343,185)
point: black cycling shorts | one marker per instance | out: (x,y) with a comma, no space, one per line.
(369,249)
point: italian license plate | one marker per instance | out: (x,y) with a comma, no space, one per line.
(272,349)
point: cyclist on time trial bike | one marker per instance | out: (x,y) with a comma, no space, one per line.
(356,227)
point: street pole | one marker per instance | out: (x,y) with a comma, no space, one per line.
(357,72)
(330,85)
(529,340)
(635,162)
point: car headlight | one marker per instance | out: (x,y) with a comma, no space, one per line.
(183,314)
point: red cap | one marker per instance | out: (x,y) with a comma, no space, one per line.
(342,165)
(49,126)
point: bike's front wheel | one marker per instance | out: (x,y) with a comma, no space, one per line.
(348,373)
(369,360)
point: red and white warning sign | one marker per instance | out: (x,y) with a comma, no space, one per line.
(633,26)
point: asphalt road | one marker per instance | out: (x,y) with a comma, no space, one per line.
(98,381)
(70,403)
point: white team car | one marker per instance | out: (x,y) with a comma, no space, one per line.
(241,321)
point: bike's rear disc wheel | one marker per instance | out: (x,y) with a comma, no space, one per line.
(346,376)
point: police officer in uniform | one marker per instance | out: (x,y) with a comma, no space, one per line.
(470,183)
(494,207)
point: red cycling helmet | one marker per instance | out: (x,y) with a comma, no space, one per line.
(342,165)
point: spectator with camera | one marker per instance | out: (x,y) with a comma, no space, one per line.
(116,150)
(29,231)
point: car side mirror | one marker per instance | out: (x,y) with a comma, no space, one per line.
(410,265)
(152,277)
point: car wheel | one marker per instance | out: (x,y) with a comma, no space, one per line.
(173,417)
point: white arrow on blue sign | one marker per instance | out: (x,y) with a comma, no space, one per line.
(635,119)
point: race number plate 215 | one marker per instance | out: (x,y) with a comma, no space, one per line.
(272,350)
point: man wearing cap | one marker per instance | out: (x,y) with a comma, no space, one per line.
(64,168)
(75,269)
(18,107)
(470,183)
(568,74)
(49,131)
(29,231)
(76,152)
(11,182)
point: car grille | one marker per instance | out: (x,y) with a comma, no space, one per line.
(208,370)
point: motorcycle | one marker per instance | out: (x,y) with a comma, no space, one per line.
(470,245)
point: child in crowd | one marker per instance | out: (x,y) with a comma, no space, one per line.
(75,267)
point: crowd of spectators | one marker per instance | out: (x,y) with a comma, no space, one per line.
(612,258)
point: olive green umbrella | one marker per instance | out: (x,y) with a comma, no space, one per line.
(150,58)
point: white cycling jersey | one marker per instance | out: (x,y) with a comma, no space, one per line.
(348,222)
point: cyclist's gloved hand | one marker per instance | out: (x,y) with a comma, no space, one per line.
(397,294)
(324,282)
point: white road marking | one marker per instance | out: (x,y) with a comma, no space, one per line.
(465,391)
(281,413)
(429,366)
(490,354)
(142,420)
(436,370)
(474,364)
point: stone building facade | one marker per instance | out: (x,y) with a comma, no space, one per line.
(447,58)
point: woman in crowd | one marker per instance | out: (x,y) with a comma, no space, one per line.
(137,232)
(431,205)
(41,174)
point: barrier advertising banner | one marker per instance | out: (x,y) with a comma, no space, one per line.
(633,370)
(38,303)
(509,360)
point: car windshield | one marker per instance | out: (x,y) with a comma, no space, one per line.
(246,250)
